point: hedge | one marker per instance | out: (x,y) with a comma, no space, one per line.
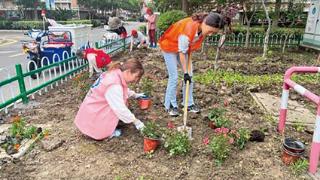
(168,18)
(260,30)
(26,25)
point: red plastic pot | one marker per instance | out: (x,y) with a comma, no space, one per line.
(150,144)
(290,157)
(144,103)
(292,151)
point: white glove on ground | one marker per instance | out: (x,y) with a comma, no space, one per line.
(139,125)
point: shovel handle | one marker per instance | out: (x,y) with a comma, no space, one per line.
(186,98)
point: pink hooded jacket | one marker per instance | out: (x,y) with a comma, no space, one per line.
(95,118)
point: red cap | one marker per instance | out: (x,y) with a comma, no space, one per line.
(149,11)
(134,32)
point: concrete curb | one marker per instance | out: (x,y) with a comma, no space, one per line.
(11,30)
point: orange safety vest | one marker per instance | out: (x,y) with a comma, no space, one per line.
(169,40)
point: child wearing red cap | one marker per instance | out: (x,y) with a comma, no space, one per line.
(97,59)
(137,39)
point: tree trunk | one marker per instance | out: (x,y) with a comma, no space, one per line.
(246,45)
(277,14)
(185,6)
(266,39)
(285,43)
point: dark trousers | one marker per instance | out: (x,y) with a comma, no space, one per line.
(152,37)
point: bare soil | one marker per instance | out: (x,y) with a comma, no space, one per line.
(122,158)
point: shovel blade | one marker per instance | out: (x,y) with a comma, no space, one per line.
(186,130)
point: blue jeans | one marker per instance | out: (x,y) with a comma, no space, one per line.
(172,60)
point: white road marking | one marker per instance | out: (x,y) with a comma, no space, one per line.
(15,55)
(6,52)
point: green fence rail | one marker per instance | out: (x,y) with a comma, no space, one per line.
(255,40)
(110,47)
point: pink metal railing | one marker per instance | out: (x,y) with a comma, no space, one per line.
(288,83)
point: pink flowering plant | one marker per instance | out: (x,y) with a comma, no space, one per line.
(241,137)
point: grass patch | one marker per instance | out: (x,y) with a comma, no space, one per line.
(232,78)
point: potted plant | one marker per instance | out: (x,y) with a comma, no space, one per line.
(152,135)
(213,115)
(145,102)
(177,143)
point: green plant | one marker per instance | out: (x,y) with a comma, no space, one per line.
(62,14)
(81,82)
(269,118)
(242,137)
(299,166)
(177,143)
(298,126)
(151,130)
(168,18)
(18,127)
(216,113)
(222,122)
(147,86)
(220,148)
(143,29)
(30,132)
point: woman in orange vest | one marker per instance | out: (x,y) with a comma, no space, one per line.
(177,43)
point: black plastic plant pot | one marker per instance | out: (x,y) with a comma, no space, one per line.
(293,145)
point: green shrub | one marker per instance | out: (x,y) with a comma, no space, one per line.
(143,29)
(168,18)
(6,24)
(220,148)
(151,130)
(26,25)
(61,14)
(216,113)
(177,143)
(95,22)
(274,31)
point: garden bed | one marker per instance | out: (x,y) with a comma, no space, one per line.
(124,158)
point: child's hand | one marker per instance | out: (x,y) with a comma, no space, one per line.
(139,125)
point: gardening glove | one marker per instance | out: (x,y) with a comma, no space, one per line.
(186,78)
(139,95)
(139,125)
(139,46)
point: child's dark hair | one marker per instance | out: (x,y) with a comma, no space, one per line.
(213,19)
(132,64)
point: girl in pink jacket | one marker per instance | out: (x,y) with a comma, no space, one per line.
(105,103)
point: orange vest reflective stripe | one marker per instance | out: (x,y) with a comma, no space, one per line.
(169,40)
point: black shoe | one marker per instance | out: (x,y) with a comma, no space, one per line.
(193,108)
(173,112)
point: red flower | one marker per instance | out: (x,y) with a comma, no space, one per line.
(218,130)
(170,125)
(224,130)
(205,140)
(226,102)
